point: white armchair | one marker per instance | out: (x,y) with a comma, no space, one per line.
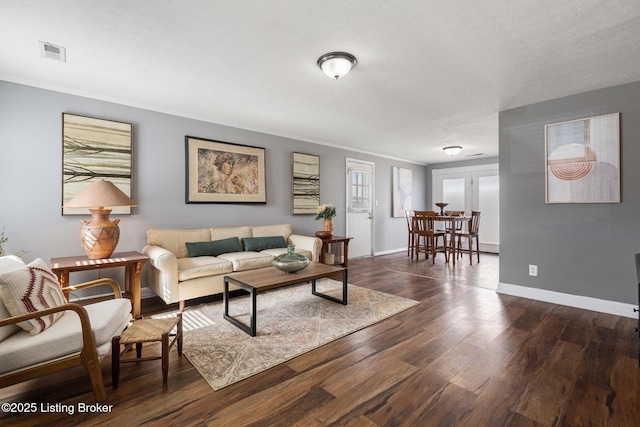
(81,336)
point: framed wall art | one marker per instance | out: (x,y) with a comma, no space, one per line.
(305,183)
(402,184)
(582,160)
(94,149)
(222,172)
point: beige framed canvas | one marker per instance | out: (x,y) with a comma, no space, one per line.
(582,160)
(222,172)
(305,183)
(95,149)
(402,183)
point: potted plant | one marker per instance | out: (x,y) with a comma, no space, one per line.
(326,212)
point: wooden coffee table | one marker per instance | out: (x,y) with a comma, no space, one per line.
(255,281)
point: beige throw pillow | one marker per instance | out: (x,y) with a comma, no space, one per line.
(31,288)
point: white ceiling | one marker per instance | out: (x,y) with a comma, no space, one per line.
(429,73)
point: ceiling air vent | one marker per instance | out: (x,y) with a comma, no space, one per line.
(51,51)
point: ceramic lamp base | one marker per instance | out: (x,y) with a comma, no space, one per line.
(100,235)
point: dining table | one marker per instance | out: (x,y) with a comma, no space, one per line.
(452,223)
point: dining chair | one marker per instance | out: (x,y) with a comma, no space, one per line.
(471,234)
(423,225)
(456,224)
(411,238)
(411,245)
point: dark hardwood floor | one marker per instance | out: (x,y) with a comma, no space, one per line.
(465,356)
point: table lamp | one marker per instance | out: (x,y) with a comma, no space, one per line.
(100,235)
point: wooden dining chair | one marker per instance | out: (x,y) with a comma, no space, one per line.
(411,238)
(423,225)
(456,224)
(471,234)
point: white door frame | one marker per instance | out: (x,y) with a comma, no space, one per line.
(472,173)
(349,162)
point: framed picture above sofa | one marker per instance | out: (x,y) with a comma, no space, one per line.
(222,172)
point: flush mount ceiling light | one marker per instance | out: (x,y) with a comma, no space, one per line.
(337,64)
(452,150)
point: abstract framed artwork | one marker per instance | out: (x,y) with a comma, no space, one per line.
(305,183)
(582,160)
(95,149)
(222,172)
(402,183)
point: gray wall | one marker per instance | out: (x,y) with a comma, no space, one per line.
(31,177)
(580,249)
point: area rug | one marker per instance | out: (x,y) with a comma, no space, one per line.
(291,321)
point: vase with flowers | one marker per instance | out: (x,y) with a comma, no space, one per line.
(325,212)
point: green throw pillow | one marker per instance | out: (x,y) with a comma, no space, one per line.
(258,244)
(214,248)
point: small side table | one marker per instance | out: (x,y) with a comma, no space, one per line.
(345,248)
(133,262)
(146,330)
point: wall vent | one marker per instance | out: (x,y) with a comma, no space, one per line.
(51,51)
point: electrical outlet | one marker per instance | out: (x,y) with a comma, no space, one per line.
(533,270)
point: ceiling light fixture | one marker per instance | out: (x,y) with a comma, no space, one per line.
(452,150)
(337,64)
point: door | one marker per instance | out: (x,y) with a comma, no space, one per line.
(360,207)
(472,188)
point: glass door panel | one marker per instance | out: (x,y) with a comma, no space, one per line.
(489,203)
(472,188)
(453,192)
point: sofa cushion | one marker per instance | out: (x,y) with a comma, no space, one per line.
(226,232)
(108,318)
(258,244)
(31,288)
(8,263)
(175,240)
(283,230)
(192,268)
(248,260)
(280,251)
(214,247)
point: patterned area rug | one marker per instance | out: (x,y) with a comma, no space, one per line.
(291,321)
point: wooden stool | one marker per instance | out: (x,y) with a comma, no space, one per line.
(146,330)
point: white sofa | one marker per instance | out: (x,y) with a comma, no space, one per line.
(175,276)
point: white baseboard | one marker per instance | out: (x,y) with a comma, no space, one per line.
(390,251)
(577,301)
(145,292)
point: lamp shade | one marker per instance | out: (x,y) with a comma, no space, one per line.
(337,64)
(100,194)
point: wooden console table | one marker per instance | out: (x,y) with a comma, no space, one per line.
(133,262)
(345,248)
